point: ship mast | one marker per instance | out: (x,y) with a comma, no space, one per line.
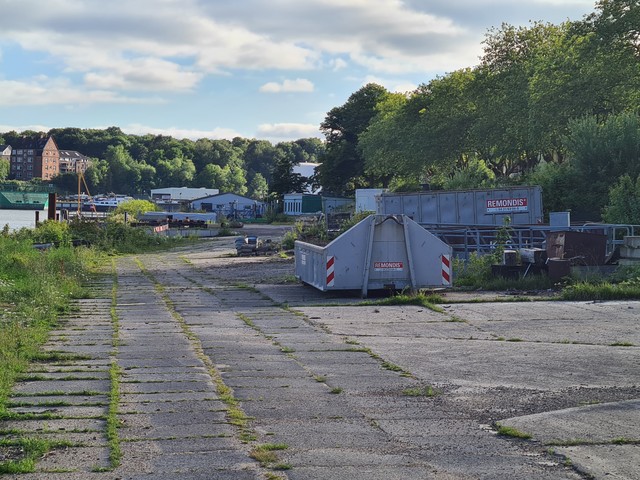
(82,181)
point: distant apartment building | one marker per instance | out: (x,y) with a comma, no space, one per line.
(34,158)
(72,161)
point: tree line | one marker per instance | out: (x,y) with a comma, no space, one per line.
(553,105)
(135,164)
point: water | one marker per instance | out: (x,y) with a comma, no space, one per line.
(17,219)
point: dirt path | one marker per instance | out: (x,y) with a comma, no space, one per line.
(209,378)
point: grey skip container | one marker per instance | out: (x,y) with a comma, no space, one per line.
(522,204)
(380,252)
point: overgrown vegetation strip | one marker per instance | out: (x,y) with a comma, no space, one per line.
(115,372)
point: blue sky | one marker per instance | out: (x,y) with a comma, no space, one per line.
(268,69)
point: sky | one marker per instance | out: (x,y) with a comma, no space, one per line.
(265,69)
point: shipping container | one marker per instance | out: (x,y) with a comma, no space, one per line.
(522,205)
(380,252)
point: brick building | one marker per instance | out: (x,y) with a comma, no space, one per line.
(35,158)
(72,161)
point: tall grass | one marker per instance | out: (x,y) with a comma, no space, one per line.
(35,287)
(602,291)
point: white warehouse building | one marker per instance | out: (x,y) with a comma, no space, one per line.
(230,205)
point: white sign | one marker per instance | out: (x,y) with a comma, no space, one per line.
(388,266)
(504,205)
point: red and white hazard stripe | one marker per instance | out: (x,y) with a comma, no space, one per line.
(330,273)
(446,269)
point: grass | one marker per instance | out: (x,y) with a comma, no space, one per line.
(512,432)
(336,390)
(419,299)
(35,288)
(602,291)
(115,453)
(622,344)
(29,450)
(392,367)
(266,455)
(426,391)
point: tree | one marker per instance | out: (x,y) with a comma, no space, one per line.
(4,168)
(227,179)
(135,207)
(601,152)
(624,202)
(124,172)
(258,187)
(174,170)
(475,174)
(219,152)
(342,168)
(386,141)
(284,180)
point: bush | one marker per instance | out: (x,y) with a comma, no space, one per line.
(135,207)
(315,233)
(624,202)
(475,272)
(115,237)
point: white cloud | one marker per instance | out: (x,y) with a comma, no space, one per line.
(393,85)
(175,132)
(287,86)
(291,131)
(22,128)
(137,129)
(144,74)
(45,91)
(338,64)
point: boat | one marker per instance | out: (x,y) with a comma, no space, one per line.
(104,203)
(19,197)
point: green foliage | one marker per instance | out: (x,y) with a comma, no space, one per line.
(315,233)
(624,202)
(343,169)
(54,232)
(134,208)
(353,220)
(405,184)
(35,286)
(512,432)
(601,152)
(540,92)
(114,236)
(625,290)
(4,168)
(474,174)
(258,187)
(475,272)
(557,181)
(419,299)
(283,179)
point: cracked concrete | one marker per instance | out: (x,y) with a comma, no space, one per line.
(338,386)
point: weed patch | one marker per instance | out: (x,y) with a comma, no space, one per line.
(512,432)
(426,391)
(418,299)
(266,454)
